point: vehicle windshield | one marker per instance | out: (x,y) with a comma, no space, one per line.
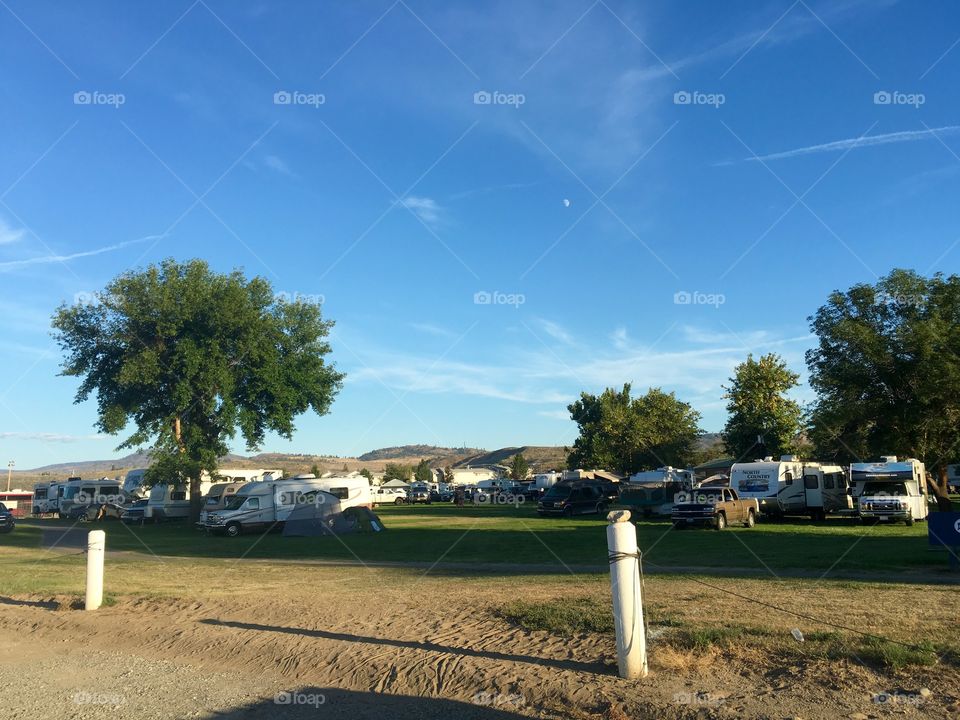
(71,492)
(235,502)
(557,492)
(884,489)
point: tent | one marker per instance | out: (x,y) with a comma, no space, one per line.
(324,516)
(395,483)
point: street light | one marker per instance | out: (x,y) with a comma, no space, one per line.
(9,473)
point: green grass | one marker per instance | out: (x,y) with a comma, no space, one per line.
(579,615)
(502,535)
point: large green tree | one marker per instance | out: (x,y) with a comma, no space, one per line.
(423,473)
(887,372)
(397,471)
(186,356)
(628,434)
(761,417)
(519,467)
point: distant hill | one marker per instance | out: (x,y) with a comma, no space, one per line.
(539,457)
(415,451)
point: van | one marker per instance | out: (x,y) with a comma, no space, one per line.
(80,495)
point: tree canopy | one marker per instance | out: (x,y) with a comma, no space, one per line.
(397,471)
(519,467)
(187,356)
(887,371)
(423,473)
(630,434)
(758,408)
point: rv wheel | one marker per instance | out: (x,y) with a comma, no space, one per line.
(721,521)
(751,520)
(398,501)
(233,529)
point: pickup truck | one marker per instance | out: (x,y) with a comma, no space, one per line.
(715,506)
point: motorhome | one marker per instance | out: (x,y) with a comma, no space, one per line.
(171,502)
(135,487)
(217,497)
(791,487)
(81,494)
(266,504)
(350,490)
(890,490)
(43,503)
(652,492)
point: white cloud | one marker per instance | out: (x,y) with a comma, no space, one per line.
(555,414)
(8,234)
(277,164)
(429,329)
(857,142)
(48,259)
(556,331)
(425,208)
(49,437)
(619,338)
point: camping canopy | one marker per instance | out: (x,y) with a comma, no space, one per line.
(324,516)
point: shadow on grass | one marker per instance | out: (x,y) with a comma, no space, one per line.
(596,668)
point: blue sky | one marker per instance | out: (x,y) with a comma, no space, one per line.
(586,167)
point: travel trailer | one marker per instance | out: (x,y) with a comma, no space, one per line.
(81,494)
(652,492)
(791,487)
(890,490)
(544,481)
(267,504)
(171,502)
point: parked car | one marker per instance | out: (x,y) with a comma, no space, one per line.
(573,499)
(382,495)
(441,496)
(7,521)
(134,514)
(715,507)
(419,495)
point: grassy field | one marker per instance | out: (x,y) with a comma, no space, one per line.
(508,535)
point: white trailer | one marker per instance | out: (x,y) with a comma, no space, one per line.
(351,490)
(265,504)
(890,490)
(171,502)
(791,487)
(545,481)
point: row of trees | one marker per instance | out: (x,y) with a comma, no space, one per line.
(886,370)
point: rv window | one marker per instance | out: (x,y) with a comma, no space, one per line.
(342,493)
(178,495)
(828,482)
(253,503)
(110,490)
(788,478)
(810,482)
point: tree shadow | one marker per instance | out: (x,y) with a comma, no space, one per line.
(45,604)
(597,668)
(315,702)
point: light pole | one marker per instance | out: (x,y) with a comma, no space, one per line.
(9,473)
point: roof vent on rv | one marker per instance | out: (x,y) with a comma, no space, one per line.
(768,458)
(788,458)
(889,458)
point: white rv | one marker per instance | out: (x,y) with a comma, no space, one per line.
(171,502)
(652,492)
(790,487)
(890,490)
(266,504)
(81,494)
(351,490)
(217,497)
(545,481)
(43,501)
(134,486)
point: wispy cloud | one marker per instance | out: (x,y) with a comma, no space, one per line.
(857,142)
(48,259)
(49,437)
(492,189)
(429,329)
(556,331)
(277,164)
(426,208)
(619,338)
(9,234)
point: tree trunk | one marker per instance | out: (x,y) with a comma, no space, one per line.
(196,501)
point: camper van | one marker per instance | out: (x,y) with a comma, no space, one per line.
(790,487)
(266,504)
(652,492)
(890,490)
(217,497)
(171,502)
(81,494)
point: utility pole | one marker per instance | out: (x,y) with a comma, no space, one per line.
(9,473)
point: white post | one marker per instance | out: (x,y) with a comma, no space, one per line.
(625,583)
(96,543)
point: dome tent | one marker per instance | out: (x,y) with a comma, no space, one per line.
(323,515)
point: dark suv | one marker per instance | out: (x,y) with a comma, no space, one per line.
(570,500)
(7,523)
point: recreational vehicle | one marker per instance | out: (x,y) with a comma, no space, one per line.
(81,494)
(43,503)
(134,486)
(217,497)
(265,504)
(351,491)
(790,487)
(890,490)
(171,502)
(544,481)
(653,492)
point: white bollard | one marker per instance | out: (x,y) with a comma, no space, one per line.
(96,544)
(625,583)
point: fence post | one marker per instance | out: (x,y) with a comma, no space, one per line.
(625,584)
(96,544)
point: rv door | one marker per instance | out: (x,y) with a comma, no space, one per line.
(813,491)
